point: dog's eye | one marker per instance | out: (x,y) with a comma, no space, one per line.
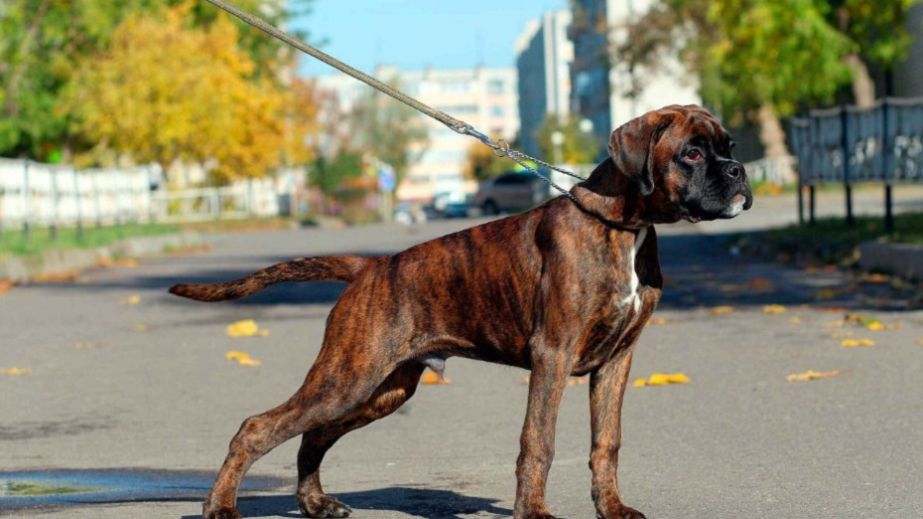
(693,155)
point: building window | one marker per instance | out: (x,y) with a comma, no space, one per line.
(497,111)
(436,156)
(455,86)
(495,86)
(459,109)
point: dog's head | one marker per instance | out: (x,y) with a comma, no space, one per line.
(681,160)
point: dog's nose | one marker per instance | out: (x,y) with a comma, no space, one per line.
(734,171)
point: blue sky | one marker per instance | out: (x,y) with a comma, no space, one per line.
(413,34)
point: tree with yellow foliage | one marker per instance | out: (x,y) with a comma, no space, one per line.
(164,92)
(482,163)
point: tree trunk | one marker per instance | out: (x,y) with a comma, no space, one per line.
(772,137)
(863,88)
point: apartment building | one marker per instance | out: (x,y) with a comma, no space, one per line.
(484,97)
(543,58)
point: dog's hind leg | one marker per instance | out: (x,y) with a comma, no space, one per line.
(341,381)
(396,390)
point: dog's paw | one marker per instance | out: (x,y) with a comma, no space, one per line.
(622,512)
(538,514)
(323,506)
(223,512)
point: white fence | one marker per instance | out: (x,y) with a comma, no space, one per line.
(43,195)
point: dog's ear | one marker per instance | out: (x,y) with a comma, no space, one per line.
(631,147)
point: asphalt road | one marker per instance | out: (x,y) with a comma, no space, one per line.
(146,386)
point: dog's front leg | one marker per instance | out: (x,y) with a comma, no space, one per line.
(550,368)
(607,387)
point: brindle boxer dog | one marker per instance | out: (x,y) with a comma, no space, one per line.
(563,289)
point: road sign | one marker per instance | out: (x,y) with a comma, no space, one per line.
(386,178)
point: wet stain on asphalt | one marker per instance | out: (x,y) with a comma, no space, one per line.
(30,430)
(70,487)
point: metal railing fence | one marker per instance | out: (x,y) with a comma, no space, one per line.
(849,145)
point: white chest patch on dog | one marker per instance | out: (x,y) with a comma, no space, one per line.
(633,298)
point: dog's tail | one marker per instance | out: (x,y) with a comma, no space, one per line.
(337,268)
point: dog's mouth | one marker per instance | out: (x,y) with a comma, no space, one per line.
(738,204)
(719,208)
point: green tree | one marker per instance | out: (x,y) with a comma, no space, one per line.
(769,57)
(879,32)
(390,131)
(41,42)
(166,92)
(482,163)
(44,42)
(269,55)
(759,60)
(577,146)
(329,174)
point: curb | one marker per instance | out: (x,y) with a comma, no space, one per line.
(23,269)
(902,259)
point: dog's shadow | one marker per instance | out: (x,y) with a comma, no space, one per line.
(424,502)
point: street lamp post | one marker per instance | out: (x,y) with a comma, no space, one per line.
(557,140)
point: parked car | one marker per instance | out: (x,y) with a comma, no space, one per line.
(409,214)
(510,192)
(451,205)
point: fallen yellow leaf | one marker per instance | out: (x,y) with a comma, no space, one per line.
(825,294)
(760,283)
(15,372)
(811,375)
(140,328)
(132,299)
(919,342)
(773,309)
(432,378)
(57,277)
(854,343)
(245,328)
(117,262)
(86,345)
(662,379)
(875,278)
(794,319)
(721,310)
(242,358)
(658,321)
(863,320)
